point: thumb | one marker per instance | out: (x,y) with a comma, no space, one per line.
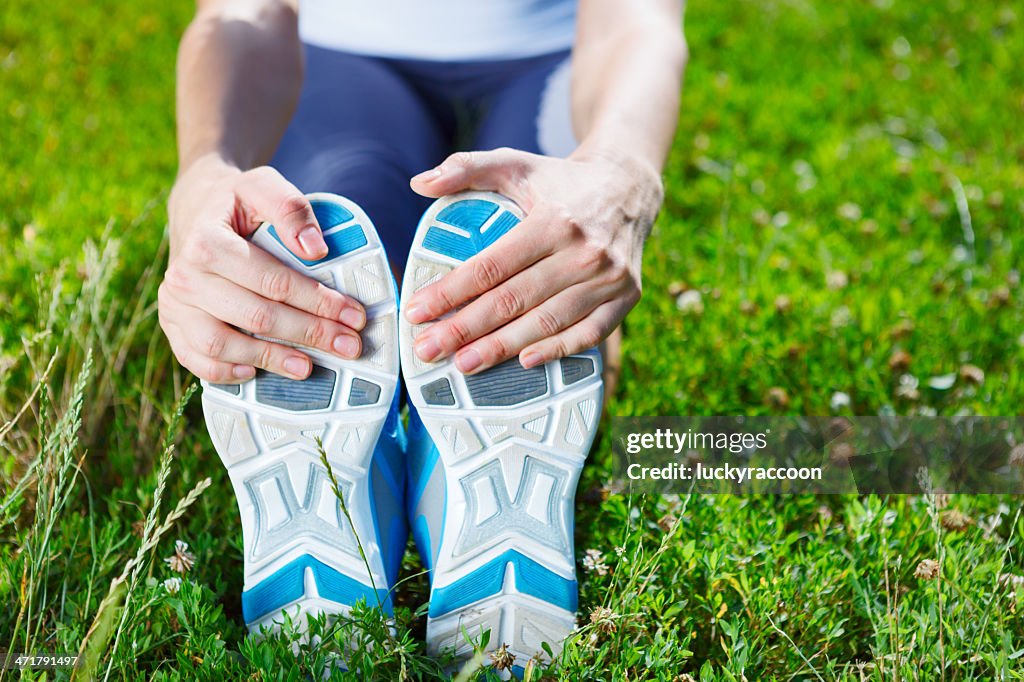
(502,170)
(275,200)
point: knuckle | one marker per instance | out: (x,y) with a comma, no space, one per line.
(500,349)
(258,319)
(592,257)
(276,284)
(507,304)
(328,303)
(572,225)
(462,159)
(547,323)
(199,251)
(447,297)
(457,333)
(175,278)
(486,272)
(618,272)
(214,344)
(264,356)
(293,205)
(316,335)
(588,337)
(257,174)
(216,372)
(162,297)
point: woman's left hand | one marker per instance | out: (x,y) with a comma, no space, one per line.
(562,280)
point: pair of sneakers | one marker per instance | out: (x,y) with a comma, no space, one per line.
(484,475)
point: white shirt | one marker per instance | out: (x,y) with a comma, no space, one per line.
(442,30)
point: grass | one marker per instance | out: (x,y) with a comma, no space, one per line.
(843,212)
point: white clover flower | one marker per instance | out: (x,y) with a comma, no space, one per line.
(593,562)
(172,585)
(850,211)
(836,279)
(690,302)
(182,560)
(839,400)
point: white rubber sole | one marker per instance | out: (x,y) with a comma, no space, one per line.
(513,443)
(300,551)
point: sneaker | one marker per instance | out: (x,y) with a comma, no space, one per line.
(301,552)
(493,459)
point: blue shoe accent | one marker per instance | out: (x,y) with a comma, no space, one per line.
(469,216)
(424,471)
(387,492)
(339,242)
(531,578)
(288,584)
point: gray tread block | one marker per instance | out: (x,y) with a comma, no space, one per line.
(507,384)
(312,393)
(363,392)
(576,369)
(438,392)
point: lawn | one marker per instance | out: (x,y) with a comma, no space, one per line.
(843,218)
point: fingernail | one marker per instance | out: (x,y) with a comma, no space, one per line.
(427,348)
(243,372)
(468,360)
(346,345)
(429,175)
(352,317)
(531,360)
(312,242)
(297,367)
(417,314)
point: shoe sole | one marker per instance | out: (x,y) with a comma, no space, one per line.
(513,442)
(301,553)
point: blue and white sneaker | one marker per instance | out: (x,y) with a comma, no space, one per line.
(301,554)
(494,459)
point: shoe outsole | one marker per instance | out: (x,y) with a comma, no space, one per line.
(301,554)
(513,442)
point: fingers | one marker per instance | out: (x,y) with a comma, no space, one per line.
(512,253)
(258,271)
(585,334)
(547,320)
(231,303)
(503,304)
(214,351)
(501,170)
(276,200)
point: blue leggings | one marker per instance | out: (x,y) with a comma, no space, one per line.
(365,125)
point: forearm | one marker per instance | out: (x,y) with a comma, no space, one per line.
(627,70)
(239,75)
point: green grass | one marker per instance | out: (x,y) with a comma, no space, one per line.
(831,153)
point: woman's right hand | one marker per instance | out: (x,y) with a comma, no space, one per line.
(218,284)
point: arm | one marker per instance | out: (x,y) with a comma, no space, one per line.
(239,74)
(565,278)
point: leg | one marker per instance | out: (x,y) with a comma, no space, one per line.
(361,131)
(531,111)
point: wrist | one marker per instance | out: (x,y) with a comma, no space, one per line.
(640,169)
(210,164)
(639,177)
(195,178)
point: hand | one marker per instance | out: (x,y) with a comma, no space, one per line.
(558,283)
(217,282)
